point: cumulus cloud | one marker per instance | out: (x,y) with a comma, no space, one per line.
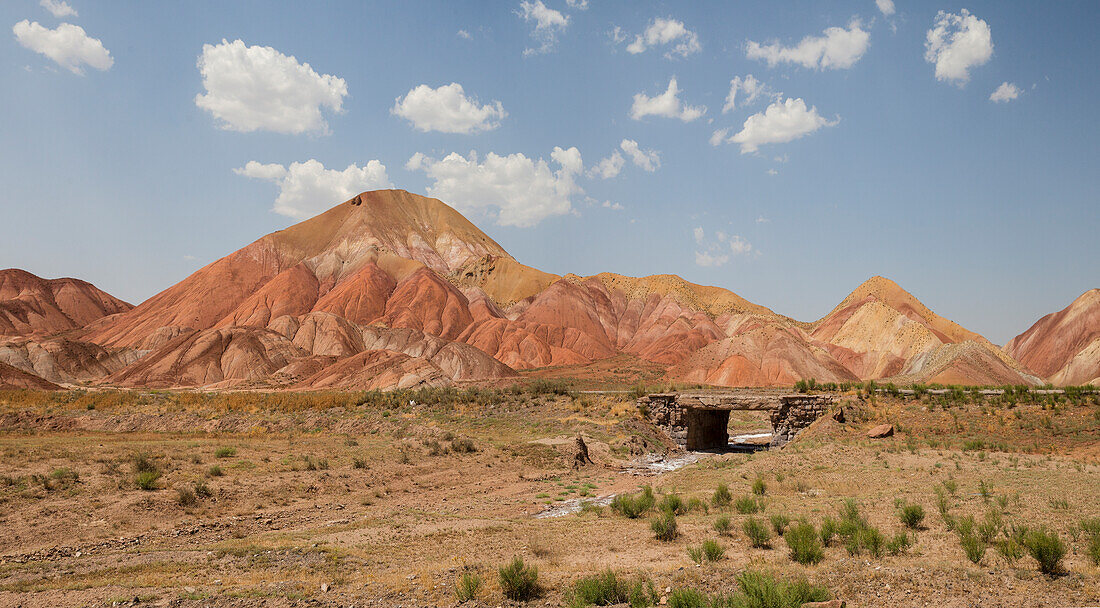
(750,89)
(662,32)
(608,167)
(447,110)
(886,7)
(549,23)
(613,206)
(306,189)
(649,160)
(1005,93)
(666,104)
(837,48)
(59,8)
(68,45)
(464,35)
(515,190)
(616,35)
(716,250)
(781,122)
(257,88)
(577,5)
(957,43)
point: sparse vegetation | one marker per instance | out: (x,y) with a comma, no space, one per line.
(802,540)
(721,497)
(759,487)
(709,551)
(1047,549)
(747,505)
(759,536)
(633,506)
(912,516)
(225,452)
(722,524)
(468,587)
(519,582)
(664,526)
(608,588)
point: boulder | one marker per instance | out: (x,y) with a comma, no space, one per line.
(881,431)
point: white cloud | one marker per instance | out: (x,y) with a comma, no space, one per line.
(781,122)
(886,7)
(257,88)
(59,8)
(760,219)
(750,89)
(649,160)
(306,189)
(708,259)
(68,45)
(549,23)
(957,43)
(464,35)
(613,206)
(1005,93)
(838,48)
(515,189)
(616,35)
(664,32)
(716,251)
(719,136)
(666,104)
(447,110)
(577,5)
(773,172)
(608,167)
(189,258)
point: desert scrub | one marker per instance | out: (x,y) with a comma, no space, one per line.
(633,506)
(225,452)
(757,532)
(467,587)
(912,516)
(803,543)
(672,503)
(463,445)
(721,497)
(215,471)
(688,598)
(1047,549)
(185,497)
(973,547)
(1011,547)
(147,480)
(519,582)
(866,538)
(722,525)
(664,526)
(607,589)
(1091,527)
(359,463)
(780,523)
(747,505)
(899,544)
(709,551)
(759,487)
(761,590)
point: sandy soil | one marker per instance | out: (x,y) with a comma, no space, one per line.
(375,507)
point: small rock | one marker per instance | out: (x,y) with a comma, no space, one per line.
(189,590)
(881,431)
(839,416)
(324,587)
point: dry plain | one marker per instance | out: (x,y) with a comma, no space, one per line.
(388,499)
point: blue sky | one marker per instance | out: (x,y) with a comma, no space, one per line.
(114,171)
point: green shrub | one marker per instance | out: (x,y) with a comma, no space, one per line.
(202,490)
(1093,549)
(760,590)
(695,504)
(747,505)
(829,528)
(803,544)
(758,533)
(633,506)
(607,589)
(143,464)
(215,471)
(722,524)
(866,538)
(672,503)
(225,452)
(759,487)
(687,598)
(780,523)
(519,582)
(664,526)
(709,551)
(912,516)
(147,480)
(973,547)
(721,497)
(467,587)
(1047,549)
(899,544)
(1011,547)
(359,463)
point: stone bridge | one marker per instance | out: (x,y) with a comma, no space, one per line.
(698,421)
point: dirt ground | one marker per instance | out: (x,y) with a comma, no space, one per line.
(371,505)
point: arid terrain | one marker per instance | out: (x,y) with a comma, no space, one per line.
(388,499)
